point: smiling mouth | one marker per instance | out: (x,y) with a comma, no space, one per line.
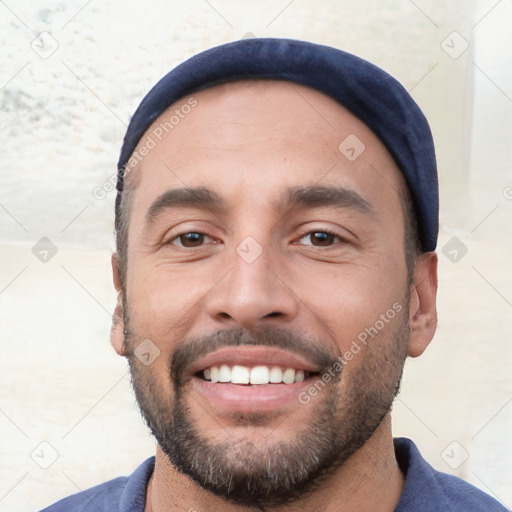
(255,375)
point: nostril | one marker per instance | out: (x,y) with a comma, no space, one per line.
(274,313)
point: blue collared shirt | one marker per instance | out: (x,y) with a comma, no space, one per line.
(425,490)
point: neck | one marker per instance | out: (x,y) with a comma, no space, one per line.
(370,480)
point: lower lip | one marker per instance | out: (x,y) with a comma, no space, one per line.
(232,398)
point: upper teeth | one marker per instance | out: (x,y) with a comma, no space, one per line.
(255,375)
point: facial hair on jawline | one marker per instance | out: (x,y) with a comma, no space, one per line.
(240,472)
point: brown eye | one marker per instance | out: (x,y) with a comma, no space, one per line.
(320,238)
(188,240)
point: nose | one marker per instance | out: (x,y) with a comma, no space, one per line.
(251,292)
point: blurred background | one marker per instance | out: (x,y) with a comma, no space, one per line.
(73,72)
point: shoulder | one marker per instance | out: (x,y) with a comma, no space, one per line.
(465,496)
(105,496)
(429,490)
(123,494)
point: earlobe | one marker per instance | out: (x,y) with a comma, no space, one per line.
(422,310)
(117,329)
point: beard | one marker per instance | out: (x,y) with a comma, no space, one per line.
(343,416)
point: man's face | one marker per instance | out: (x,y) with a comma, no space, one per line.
(287,259)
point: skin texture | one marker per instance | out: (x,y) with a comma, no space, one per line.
(249,142)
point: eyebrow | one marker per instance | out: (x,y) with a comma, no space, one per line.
(198,197)
(313,196)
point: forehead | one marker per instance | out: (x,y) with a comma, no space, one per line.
(250,138)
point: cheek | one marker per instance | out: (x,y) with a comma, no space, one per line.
(162,299)
(153,379)
(348,299)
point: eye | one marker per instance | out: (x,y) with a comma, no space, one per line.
(324,238)
(190,239)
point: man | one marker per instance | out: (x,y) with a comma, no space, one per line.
(276,223)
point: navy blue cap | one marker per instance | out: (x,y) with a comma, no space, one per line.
(364,89)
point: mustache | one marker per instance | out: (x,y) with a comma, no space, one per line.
(193,349)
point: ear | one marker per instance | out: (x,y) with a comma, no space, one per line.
(422,309)
(117,329)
